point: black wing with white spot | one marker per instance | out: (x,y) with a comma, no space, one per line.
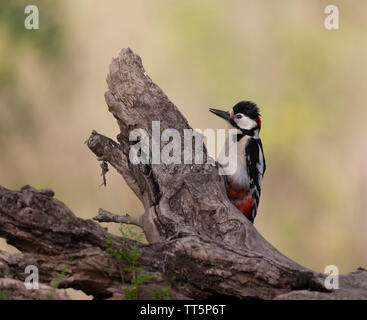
(255,168)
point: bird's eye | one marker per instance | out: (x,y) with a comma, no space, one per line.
(238,116)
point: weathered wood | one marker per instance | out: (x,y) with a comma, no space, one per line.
(198,242)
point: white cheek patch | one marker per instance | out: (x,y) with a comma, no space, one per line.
(245,123)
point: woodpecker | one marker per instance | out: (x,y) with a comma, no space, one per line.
(242,158)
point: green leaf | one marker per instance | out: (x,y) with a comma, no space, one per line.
(162,294)
(3,296)
(61,276)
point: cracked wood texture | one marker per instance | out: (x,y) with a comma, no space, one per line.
(198,243)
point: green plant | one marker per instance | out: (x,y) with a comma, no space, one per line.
(3,296)
(59,279)
(132,258)
(162,294)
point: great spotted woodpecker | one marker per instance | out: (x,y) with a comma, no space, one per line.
(242,158)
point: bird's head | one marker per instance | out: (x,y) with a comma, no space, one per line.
(244,115)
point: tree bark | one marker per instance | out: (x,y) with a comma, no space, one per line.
(198,242)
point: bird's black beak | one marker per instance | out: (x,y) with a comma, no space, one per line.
(223,114)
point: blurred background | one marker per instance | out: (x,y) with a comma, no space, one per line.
(309,82)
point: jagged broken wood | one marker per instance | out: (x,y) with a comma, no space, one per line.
(199,244)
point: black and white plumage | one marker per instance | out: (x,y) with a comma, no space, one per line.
(242,158)
(256,168)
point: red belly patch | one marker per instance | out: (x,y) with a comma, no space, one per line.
(237,194)
(240,199)
(244,205)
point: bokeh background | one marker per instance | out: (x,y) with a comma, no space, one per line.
(309,82)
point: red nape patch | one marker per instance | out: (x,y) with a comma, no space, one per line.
(245,205)
(258,121)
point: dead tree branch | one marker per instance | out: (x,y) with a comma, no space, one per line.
(198,242)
